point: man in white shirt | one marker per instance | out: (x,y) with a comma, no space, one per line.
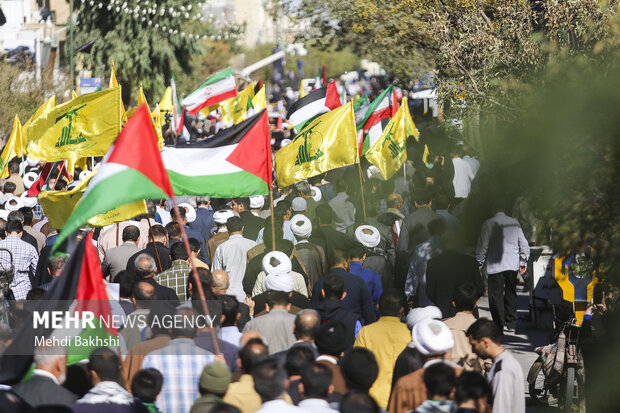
(505,251)
(270,383)
(463,175)
(231,256)
(315,387)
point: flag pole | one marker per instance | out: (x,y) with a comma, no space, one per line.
(148,219)
(359,169)
(273,224)
(201,292)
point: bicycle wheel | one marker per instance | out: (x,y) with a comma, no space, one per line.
(539,391)
(570,390)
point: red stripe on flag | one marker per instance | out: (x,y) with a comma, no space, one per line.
(332,98)
(213,100)
(253,152)
(137,148)
(92,294)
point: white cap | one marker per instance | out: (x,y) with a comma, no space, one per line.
(30,178)
(299,204)
(257,201)
(13,204)
(220,217)
(432,337)
(29,202)
(368,236)
(422,313)
(190,211)
(316,193)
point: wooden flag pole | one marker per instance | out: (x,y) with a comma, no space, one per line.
(273,224)
(359,169)
(201,292)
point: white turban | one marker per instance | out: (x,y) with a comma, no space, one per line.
(32,162)
(220,217)
(368,236)
(190,211)
(29,179)
(4,214)
(257,202)
(282,266)
(316,193)
(284,142)
(432,337)
(29,202)
(13,204)
(301,226)
(84,174)
(422,313)
(279,282)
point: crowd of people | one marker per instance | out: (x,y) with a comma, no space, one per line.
(324,301)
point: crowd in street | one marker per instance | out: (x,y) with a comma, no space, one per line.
(365,304)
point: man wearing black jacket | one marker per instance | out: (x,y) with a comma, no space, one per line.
(333,309)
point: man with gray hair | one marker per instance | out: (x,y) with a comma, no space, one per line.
(45,387)
(146,269)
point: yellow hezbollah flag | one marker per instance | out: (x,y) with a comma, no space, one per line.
(113,82)
(259,101)
(14,147)
(166,107)
(81,163)
(58,206)
(43,109)
(156,122)
(235,109)
(302,91)
(84,126)
(390,151)
(425,155)
(327,142)
(73,94)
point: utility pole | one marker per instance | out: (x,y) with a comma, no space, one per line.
(71,47)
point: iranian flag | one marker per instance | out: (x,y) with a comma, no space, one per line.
(131,171)
(315,103)
(178,110)
(219,87)
(233,162)
(76,314)
(384,106)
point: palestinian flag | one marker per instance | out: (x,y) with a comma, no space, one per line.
(384,106)
(77,293)
(313,104)
(219,87)
(360,107)
(131,171)
(234,162)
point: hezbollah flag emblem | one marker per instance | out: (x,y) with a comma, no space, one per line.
(327,142)
(389,152)
(84,126)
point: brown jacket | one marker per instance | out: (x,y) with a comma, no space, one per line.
(135,357)
(214,242)
(462,353)
(410,392)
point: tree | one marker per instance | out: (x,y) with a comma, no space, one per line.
(146,40)
(486,53)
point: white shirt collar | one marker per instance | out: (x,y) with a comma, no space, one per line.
(327,358)
(45,373)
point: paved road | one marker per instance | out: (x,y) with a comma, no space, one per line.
(523,342)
